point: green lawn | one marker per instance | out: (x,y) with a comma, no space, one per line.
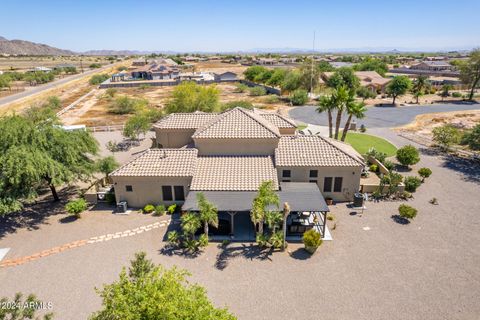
(362,142)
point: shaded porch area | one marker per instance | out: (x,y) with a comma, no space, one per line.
(308,211)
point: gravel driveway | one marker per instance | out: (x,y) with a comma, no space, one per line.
(380,117)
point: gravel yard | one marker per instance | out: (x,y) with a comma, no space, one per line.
(375,268)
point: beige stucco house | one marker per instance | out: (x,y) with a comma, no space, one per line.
(228,155)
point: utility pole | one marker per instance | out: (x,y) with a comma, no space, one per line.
(313,53)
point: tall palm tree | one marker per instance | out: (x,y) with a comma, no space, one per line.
(341,97)
(327,104)
(266,197)
(208,213)
(419,85)
(354,109)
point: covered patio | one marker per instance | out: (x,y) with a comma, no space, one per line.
(307,205)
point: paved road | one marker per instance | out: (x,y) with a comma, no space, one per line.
(38,89)
(381,117)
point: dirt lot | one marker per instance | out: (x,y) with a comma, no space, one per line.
(25,63)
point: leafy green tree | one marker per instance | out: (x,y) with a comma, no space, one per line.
(264,77)
(299,97)
(473,138)
(252,72)
(407,211)
(75,207)
(265,198)
(344,77)
(398,86)
(408,155)
(372,64)
(126,105)
(136,125)
(5,81)
(153,292)
(35,152)
(470,71)
(445,136)
(257,91)
(424,173)
(419,86)
(191,97)
(277,77)
(107,165)
(208,213)
(412,183)
(26,308)
(353,109)
(292,81)
(366,93)
(98,78)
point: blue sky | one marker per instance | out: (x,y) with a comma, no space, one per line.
(242,25)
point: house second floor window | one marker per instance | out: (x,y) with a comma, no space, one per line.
(313,173)
(167,193)
(337,186)
(286,174)
(327,184)
(179,194)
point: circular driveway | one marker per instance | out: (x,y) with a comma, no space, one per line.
(379,117)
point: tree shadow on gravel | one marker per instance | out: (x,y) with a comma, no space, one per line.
(300,254)
(179,252)
(35,214)
(400,220)
(249,251)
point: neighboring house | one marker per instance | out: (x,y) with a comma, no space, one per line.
(429,68)
(433,66)
(155,71)
(368,79)
(41,69)
(226,76)
(228,155)
(64,66)
(340,64)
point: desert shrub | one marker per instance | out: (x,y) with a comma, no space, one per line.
(240,87)
(159,210)
(407,212)
(149,208)
(144,86)
(240,103)
(122,68)
(75,207)
(95,66)
(111,92)
(456,94)
(257,91)
(271,99)
(299,97)
(472,139)
(373,168)
(408,155)
(125,105)
(380,156)
(312,239)
(98,78)
(446,135)
(424,172)
(412,183)
(171,208)
(389,165)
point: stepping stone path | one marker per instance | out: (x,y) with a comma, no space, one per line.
(80,243)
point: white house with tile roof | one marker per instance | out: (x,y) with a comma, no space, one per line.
(228,155)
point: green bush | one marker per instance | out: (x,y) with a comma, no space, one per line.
(203,240)
(75,207)
(172,208)
(257,91)
(144,86)
(271,99)
(312,240)
(173,238)
(412,183)
(95,66)
(159,210)
(240,87)
(149,208)
(407,212)
(373,168)
(126,105)
(111,92)
(276,240)
(239,103)
(424,172)
(98,78)
(389,165)
(380,156)
(456,94)
(408,155)
(299,97)
(473,138)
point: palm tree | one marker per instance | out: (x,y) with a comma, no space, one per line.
(354,109)
(266,197)
(208,213)
(327,103)
(419,85)
(273,219)
(341,97)
(190,224)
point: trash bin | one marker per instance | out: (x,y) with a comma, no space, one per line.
(358,200)
(122,206)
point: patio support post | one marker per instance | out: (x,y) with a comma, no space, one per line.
(324,223)
(232,218)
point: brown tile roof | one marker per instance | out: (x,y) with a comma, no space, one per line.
(278,120)
(185,120)
(233,173)
(238,123)
(160,163)
(313,151)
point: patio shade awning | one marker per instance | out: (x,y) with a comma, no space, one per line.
(301,196)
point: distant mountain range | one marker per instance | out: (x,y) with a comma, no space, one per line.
(21,47)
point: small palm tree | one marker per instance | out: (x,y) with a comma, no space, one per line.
(273,219)
(266,197)
(190,224)
(208,213)
(419,85)
(354,109)
(327,104)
